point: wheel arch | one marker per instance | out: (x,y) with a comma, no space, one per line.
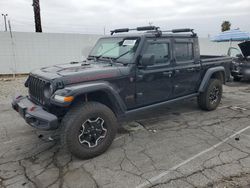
(213,73)
(101,96)
(100,92)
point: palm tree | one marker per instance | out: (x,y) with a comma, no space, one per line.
(225,26)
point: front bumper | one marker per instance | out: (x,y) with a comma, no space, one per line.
(34,114)
(236,73)
(245,73)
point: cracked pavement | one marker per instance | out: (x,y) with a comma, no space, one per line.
(178,145)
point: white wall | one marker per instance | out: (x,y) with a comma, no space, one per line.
(28,51)
(214,48)
(33,50)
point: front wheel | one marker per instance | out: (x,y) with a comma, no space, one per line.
(211,97)
(88,129)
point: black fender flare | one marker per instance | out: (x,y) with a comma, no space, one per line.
(85,88)
(208,76)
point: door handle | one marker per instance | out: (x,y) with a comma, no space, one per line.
(167,73)
(139,77)
(190,69)
(198,68)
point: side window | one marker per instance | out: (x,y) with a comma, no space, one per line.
(183,51)
(160,51)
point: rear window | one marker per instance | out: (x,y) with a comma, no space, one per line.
(183,51)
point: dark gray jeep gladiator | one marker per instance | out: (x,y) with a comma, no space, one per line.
(123,75)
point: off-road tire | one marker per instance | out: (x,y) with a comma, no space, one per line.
(204,97)
(73,121)
(237,79)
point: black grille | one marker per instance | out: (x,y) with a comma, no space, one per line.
(36,89)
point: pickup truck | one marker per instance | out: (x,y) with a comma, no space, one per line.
(123,74)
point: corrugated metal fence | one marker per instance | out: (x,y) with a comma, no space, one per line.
(27,51)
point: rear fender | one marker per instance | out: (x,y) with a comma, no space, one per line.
(209,74)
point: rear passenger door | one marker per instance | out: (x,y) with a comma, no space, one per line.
(186,68)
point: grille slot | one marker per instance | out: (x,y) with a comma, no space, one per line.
(36,88)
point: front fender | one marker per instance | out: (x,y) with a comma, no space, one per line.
(208,76)
(85,88)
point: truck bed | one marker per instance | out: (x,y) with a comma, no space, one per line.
(208,61)
(213,57)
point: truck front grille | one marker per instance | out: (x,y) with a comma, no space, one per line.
(36,89)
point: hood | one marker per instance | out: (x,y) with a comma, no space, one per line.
(77,72)
(245,48)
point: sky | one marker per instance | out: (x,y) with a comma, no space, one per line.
(99,16)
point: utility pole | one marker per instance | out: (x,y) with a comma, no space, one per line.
(36,7)
(5,22)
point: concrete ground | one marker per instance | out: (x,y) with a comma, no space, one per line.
(175,146)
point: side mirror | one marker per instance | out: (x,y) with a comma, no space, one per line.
(147,60)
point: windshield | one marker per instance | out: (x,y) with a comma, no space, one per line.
(115,48)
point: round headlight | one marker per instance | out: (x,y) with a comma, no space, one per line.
(237,68)
(48,90)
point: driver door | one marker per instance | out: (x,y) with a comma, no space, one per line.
(153,82)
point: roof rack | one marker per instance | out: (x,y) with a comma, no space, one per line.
(153,29)
(144,28)
(184,30)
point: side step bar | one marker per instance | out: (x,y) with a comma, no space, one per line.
(138,110)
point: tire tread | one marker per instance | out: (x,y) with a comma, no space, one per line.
(75,112)
(202,98)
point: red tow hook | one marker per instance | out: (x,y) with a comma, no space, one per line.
(18,97)
(32,108)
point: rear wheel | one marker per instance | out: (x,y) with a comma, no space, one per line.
(88,129)
(211,97)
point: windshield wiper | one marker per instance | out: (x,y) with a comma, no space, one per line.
(122,54)
(113,60)
(101,55)
(92,57)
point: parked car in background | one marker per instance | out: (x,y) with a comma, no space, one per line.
(240,68)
